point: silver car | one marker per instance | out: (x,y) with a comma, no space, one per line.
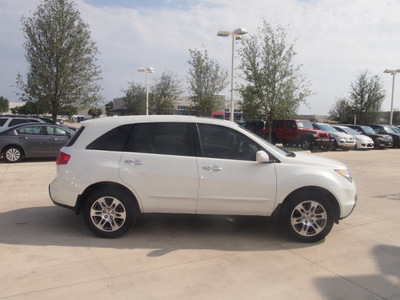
(362,141)
(32,140)
(342,140)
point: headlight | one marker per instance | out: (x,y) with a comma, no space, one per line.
(345,173)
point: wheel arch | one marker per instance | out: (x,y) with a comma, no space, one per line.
(13,145)
(312,189)
(105,184)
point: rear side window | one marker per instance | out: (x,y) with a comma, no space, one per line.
(160,138)
(3,121)
(72,140)
(113,140)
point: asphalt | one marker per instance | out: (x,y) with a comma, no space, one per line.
(46,252)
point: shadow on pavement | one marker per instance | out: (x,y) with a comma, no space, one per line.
(55,226)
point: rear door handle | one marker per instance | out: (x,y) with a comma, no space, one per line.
(134,162)
(212,168)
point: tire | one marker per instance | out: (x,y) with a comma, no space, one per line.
(308,217)
(306,143)
(13,154)
(109,213)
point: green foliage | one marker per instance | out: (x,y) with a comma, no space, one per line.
(95,112)
(61,57)
(206,79)
(342,112)
(275,88)
(109,108)
(135,99)
(4,105)
(164,92)
(31,108)
(366,97)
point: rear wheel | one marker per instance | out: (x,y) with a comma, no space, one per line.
(13,154)
(308,217)
(109,213)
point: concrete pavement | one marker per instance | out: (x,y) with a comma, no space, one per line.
(46,252)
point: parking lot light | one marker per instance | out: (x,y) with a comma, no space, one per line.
(393,73)
(147,70)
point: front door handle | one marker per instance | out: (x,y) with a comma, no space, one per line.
(212,168)
(133,162)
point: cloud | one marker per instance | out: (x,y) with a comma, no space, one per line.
(334,39)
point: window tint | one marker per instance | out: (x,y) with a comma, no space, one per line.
(291,124)
(160,138)
(113,140)
(31,130)
(3,121)
(72,140)
(221,142)
(279,124)
(56,131)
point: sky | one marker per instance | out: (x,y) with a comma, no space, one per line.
(335,40)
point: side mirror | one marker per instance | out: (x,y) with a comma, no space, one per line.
(262,157)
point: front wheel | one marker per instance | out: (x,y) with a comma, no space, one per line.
(306,144)
(109,213)
(13,154)
(308,217)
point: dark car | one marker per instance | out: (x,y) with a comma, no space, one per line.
(390,130)
(380,140)
(259,127)
(32,140)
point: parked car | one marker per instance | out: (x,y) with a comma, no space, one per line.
(389,130)
(259,127)
(32,140)
(115,168)
(10,121)
(362,141)
(380,140)
(343,140)
(300,132)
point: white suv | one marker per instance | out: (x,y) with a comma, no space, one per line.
(115,168)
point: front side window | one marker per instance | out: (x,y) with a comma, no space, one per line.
(221,142)
(161,138)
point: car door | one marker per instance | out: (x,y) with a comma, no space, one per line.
(33,140)
(160,167)
(57,137)
(231,181)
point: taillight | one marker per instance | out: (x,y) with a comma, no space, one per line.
(62,158)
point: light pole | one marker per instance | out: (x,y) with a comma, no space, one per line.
(236,35)
(147,70)
(393,73)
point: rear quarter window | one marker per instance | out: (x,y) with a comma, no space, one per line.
(74,138)
(113,140)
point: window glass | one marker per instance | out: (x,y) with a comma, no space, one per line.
(20,121)
(56,131)
(160,138)
(279,124)
(113,140)
(221,142)
(31,130)
(291,124)
(72,140)
(3,121)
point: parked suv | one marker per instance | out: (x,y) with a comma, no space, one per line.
(115,168)
(300,132)
(342,140)
(388,130)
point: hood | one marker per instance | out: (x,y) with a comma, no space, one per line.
(313,160)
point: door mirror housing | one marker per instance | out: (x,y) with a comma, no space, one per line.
(262,157)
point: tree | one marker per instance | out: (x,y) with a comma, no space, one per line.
(4,105)
(342,112)
(95,112)
(109,108)
(135,99)
(366,97)
(206,79)
(275,88)
(31,108)
(61,57)
(164,92)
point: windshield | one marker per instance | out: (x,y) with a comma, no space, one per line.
(368,130)
(350,130)
(304,124)
(390,130)
(326,127)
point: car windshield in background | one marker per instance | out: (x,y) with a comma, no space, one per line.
(390,130)
(368,130)
(350,131)
(304,124)
(327,128)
